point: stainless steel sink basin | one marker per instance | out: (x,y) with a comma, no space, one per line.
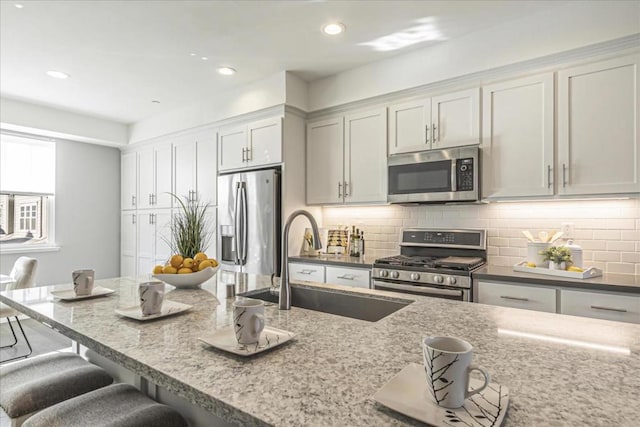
(367,308)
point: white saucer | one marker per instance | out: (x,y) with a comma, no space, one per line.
(70,295)
(225,339)
(169,308)
(407,393)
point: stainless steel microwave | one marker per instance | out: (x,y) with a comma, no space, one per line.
(450,175)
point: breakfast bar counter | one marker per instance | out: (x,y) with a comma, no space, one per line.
(560,370)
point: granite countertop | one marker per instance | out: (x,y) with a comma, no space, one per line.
(607,282)
(338,260)
(328,373)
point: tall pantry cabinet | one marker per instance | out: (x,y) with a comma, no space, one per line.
(184,165)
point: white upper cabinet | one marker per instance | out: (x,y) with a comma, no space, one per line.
(154,174)
(410,126)
(444,121)
(194,175)
(251,145)
(598,119)
(129,176)
(365,157)
(325,161)
(346,159)
(517,143)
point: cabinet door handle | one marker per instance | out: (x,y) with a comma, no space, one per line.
(514,298)
(243,155)
(549,183)
(133,200)
(426,133)
(618,310)
(347,277)
(346,192)
(435,136)
(339,190)
(564,175)
(133,219)
(154,199)
(151,219)
(249,156)
(150,202)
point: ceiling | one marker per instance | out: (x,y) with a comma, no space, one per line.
(122,55)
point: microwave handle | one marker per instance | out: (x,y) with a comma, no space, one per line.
(454,170)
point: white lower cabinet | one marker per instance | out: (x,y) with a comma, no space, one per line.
(307,272)
(356,277)
(600,305)
(323,273)
(517,296)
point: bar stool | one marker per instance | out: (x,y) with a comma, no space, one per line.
(32,385)
(114,405)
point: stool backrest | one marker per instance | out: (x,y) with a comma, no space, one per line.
(23,273)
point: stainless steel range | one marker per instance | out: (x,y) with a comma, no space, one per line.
(433,262)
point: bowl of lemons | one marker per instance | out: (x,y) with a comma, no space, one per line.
(186,272)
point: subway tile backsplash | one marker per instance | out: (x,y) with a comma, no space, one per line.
(607,230)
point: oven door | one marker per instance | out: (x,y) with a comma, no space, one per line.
(457,294)
(433,176)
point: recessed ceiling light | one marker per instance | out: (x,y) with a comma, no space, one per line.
(226,71)
(192,54)
(57,74)
(204,58)
(19,6)
(333,29)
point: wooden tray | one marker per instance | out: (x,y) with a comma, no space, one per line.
(586,274)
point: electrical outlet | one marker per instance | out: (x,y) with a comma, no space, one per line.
(567,229)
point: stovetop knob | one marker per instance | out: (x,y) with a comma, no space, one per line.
(395,274)
(384,273)
(415,276)
(451,280)
(438,278)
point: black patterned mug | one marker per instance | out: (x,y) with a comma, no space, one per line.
(82,281)
(447,363)
(151,295)
(248,320)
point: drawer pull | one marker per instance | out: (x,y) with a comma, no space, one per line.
(514,298)
(307,272)
(619,310)
(347,277)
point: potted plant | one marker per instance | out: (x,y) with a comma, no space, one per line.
(189,228)
(558,257)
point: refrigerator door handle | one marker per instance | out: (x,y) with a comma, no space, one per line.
(236,226)
(245,224)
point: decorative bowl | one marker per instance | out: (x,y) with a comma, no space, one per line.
(186,281)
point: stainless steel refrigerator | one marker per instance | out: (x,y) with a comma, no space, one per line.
(249,221)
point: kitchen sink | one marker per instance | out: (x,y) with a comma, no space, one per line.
(367,308)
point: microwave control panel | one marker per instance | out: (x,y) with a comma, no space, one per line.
(464,175)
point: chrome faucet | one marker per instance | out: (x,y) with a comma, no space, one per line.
(284,302)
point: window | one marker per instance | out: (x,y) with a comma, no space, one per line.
(27,183)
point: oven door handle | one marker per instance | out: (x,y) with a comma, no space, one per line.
(420,289)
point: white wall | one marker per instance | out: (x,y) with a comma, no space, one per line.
(607,230)
(255,96)
(87,215)
(578,24)
(41,120)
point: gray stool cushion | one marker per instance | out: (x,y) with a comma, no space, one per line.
(116,405)
(35,384)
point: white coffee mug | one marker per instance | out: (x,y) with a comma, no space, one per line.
(151,296)
(248,320)
(447,362)
(83,281)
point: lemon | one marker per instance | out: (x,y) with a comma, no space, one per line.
(185,270)
(531,264)
(204,264)
(187,262)
(158,269)
(573,268)
(199,257)
(214,263)
(168,269)
(176,261)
